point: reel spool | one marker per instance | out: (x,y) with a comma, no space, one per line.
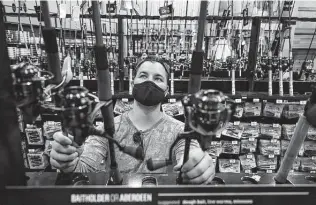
(75,107)
(208,111)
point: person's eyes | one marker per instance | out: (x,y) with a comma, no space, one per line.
(142,76)
(159,79)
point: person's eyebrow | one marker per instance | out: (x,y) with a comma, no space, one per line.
(143,72)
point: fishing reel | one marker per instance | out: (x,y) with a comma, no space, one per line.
(266,63)
(208,112)
(231,63)
(28,89)
(308,72)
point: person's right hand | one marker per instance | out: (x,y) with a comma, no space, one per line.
(64,155)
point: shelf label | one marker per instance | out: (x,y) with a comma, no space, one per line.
(172,100)
(232,161)
(125,99)
(238,100)
(303,102)
(251,139)
(244,97)
(249,156)
(234,142)
(271,156)
(256,100)
(278,101)
(275,125)
(274,141)
(218,135)
(276,152)
(252,149)
(248,171)
(236,122)
(269,171)
(254,123)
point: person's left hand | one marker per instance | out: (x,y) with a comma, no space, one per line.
(199,169)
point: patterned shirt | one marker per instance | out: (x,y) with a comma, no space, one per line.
(156,143)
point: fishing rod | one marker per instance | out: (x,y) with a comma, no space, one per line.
(211,40)
(185,30)
(130,54)
(269,63)
(290,59)
(61,34)
(194,87)
(105,96)
(147,31)
(172,55)
(32,29)
(280,39)
(112,54)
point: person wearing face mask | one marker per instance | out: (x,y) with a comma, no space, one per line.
(146,125)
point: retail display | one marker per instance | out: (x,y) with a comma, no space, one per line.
(267,106)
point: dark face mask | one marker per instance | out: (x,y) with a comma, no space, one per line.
(148,93)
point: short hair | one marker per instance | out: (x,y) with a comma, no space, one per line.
(165,63)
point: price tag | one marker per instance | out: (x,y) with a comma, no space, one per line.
(269,171)
(273,141)
(291,171)
(303,102)
(218,135)
(236,122)
(172,100)
(238,100)
(271,156)
(248,171)
(252,149)
(213,143)
(244,97)
(251,139)
(265,101)
(256,100)
(234,142)
(249,156)
(313,157)
(272,167)
(313,172)
(124,99)
(278,101)
(285,101)
(301,153)
(254,123)
(276,152)
(275,125)
(232,161)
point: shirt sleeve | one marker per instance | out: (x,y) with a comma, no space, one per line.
(93,157)
(95,152)
(179,147)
